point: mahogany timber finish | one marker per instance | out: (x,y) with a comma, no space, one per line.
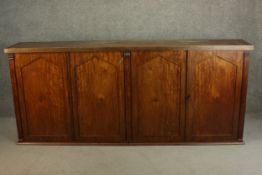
(158,95)
(42,84)
(98,96)
(214,86)
(76,46)
(130,92)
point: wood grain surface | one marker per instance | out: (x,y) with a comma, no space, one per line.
(214,86)
(98,96)
(158,96)
(76,46)
(43,96)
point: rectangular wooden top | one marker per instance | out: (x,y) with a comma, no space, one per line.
(73,46)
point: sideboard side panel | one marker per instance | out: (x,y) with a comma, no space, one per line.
(243,95)
(15,97)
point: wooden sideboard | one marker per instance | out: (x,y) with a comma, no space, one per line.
(130,92)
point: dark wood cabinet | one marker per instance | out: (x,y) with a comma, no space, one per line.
(154,92)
